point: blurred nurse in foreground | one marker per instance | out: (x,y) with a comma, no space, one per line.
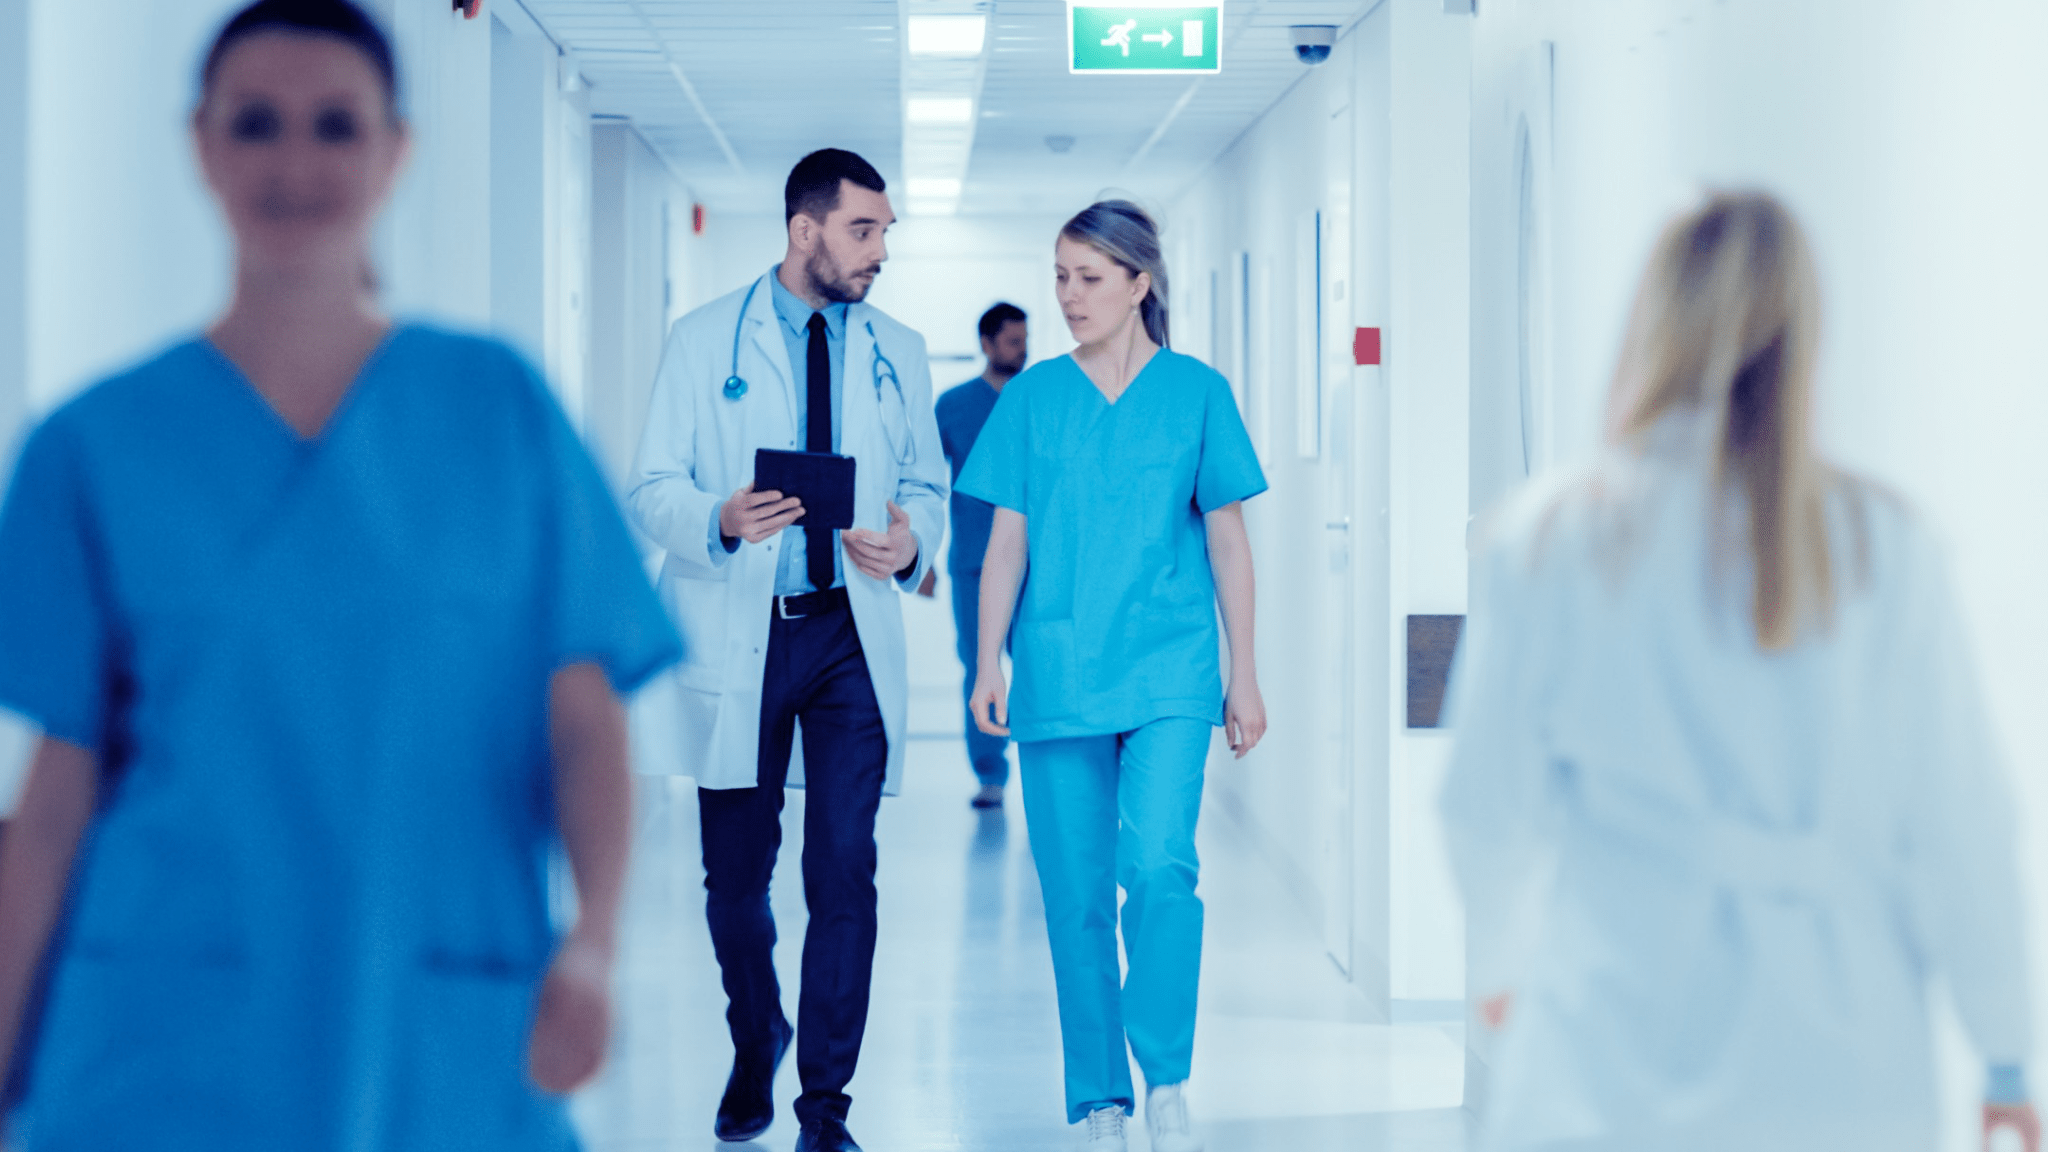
(1725,796)
(323,618)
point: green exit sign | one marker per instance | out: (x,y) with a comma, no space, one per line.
(1144,38)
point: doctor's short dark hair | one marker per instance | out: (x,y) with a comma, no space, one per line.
(992,321)
(340,19)
(813,185)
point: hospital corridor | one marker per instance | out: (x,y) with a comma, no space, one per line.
(959,1053)
(1023,575)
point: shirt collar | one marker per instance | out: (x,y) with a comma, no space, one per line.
(796,314)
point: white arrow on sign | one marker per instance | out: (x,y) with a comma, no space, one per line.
(1161,37)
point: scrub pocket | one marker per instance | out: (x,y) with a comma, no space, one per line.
(144,1051)
(1048,675)
(462,1083)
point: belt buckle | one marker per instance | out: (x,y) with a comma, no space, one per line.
(782,608)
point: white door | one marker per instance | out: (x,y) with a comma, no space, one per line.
(1337,754)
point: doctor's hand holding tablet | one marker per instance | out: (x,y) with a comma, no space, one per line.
(755,516)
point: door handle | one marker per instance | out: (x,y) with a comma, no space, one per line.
(1338,526)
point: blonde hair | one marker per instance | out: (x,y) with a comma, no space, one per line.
(1726,324)
(1127,235)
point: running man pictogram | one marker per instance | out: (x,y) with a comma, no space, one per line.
(1120,35)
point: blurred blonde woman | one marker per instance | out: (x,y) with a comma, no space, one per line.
(1725,796)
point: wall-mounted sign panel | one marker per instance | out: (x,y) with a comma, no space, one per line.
(1144,39)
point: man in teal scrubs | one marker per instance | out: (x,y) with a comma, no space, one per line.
(962,411)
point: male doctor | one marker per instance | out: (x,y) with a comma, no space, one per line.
(785,625)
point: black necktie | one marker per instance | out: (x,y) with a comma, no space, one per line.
(818,542)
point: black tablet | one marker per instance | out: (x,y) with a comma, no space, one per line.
(821,480)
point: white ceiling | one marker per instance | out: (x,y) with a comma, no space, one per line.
(778,78)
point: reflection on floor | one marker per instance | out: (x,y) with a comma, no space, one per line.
(963,1044)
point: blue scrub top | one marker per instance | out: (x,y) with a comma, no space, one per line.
(962,411)
(1116,621)
(311,910)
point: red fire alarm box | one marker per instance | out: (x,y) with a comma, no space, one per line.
(1365,346)
(696,219)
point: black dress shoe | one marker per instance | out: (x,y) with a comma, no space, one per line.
(748,1106)
(825,1136)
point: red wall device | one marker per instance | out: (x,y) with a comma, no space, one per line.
(1365,346)
(696,219)
(469,8)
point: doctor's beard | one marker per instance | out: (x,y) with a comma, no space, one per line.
(835,285)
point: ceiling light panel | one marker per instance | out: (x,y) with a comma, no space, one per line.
(947,35)
(939,109)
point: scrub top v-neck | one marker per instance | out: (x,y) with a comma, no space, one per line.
(1116,621)
(311,911)
(366,372)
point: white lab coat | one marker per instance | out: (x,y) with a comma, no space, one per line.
(698,448)
(1718,881)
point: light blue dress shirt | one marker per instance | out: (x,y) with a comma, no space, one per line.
(792,574)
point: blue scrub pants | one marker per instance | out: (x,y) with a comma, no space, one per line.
(1117,810)
(984,752)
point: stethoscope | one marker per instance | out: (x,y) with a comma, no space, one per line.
(893,422)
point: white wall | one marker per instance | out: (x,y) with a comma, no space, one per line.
(524,83)
(741,247)
(1375,139)
(1907,137)
(1429,368)
(434,243)
(540,204)
(125,250)
(637,206)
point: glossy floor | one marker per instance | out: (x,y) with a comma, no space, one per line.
(962,1047)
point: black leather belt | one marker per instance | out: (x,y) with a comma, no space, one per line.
(810,604)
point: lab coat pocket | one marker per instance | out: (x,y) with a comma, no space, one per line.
(1047,672)
(464,1083)
(699,609)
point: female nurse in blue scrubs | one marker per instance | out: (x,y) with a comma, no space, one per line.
(1118,474)
(323,619)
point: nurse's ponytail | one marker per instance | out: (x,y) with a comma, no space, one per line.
(1126,234)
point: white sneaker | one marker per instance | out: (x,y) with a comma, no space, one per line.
(1166,1118)
(1105,1130)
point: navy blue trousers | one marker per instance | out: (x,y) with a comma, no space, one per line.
(816,675)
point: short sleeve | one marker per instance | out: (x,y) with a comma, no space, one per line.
(995,472)
(56,667)
(942,414)
(1229,468)
(602,605)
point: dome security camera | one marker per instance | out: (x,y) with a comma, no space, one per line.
(1312,42)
